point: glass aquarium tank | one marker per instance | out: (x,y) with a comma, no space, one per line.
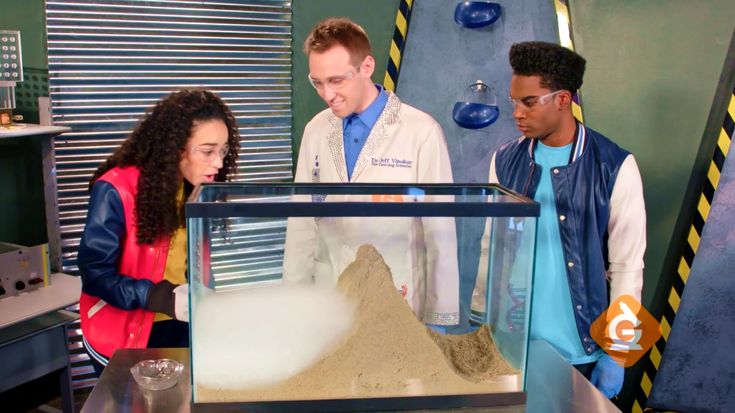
(366,297)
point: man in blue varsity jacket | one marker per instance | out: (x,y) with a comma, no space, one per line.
(591,233)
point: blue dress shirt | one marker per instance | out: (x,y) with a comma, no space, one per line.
(357,126)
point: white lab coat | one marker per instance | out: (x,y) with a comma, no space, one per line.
(404,146)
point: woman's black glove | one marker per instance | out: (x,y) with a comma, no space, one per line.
(161,298)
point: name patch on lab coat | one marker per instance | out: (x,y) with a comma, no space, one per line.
(391,162)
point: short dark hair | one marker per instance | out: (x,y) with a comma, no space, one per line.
(339,31)
(558,67)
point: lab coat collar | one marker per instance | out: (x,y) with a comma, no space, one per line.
(381,131)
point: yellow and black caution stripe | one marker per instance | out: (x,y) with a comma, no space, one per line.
(690,250)
(566,40)
(403,17)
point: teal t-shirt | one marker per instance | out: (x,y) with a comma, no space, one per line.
(552,314)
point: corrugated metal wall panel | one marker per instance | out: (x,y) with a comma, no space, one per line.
(110,60)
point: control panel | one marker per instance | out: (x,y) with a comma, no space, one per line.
(22,268)
(11,62)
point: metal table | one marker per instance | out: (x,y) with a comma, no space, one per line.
(33,337)
(552,386)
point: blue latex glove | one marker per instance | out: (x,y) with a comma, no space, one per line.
(608,376)
(438,328)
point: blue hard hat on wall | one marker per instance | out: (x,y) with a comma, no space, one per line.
(478,110)
(476,14)
(471,115)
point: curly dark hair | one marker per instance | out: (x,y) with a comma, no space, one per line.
(558,67)
(156,147)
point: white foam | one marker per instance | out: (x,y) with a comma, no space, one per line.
(260,336)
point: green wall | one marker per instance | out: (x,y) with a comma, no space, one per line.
(22,205)
(28,17)
(652,73)
(377,17)
(22,213)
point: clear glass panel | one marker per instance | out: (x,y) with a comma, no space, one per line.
(502,295)
(257,338)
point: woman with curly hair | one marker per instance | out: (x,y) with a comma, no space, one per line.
(132,255)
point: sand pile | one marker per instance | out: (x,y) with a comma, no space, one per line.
(390,353)
(473,355)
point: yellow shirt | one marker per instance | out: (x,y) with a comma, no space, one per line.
(175,271)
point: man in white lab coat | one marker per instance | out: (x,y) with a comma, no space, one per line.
(368,135)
